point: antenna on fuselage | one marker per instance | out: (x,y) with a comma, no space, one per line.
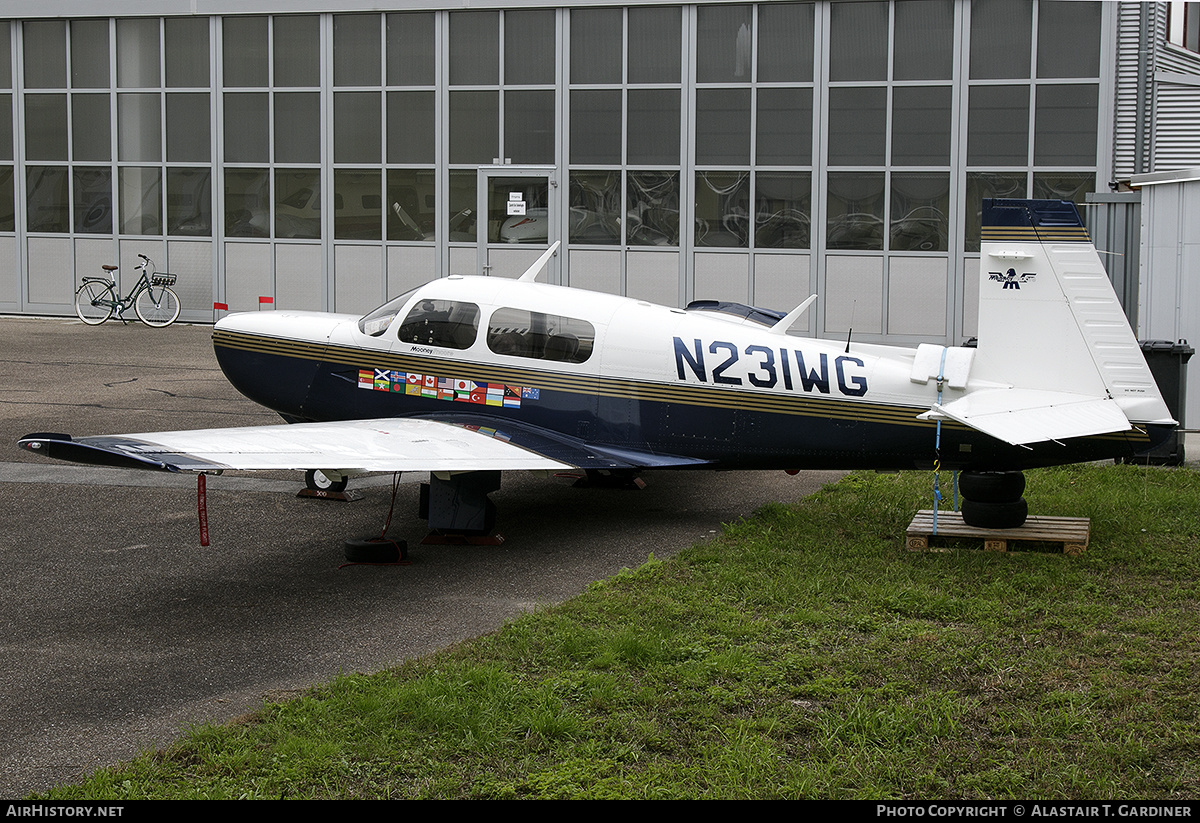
(789,320)
(533,271)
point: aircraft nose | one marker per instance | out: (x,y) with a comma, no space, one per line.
(273,357)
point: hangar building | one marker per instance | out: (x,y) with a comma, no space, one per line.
(329,155)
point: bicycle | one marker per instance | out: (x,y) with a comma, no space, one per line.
(152,298)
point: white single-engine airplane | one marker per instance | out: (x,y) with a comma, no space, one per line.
(465,377)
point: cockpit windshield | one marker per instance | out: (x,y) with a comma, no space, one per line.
(376,322)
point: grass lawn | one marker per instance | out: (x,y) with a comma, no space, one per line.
(801,653)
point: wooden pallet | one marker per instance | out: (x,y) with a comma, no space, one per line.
(1071,532)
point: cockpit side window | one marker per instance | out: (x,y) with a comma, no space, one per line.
(448,324)
(524,333)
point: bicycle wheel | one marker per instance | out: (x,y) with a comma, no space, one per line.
(158,306)
(94,302)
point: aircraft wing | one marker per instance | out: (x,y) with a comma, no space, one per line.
(1022,416)
(385,445)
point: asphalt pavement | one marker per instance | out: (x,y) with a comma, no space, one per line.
(120,630)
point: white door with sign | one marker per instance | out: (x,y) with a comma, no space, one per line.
(522,216)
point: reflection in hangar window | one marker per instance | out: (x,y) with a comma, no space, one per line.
(522,333)
(445,323)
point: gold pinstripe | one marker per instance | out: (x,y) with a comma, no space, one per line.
(1046,234)
(691,395)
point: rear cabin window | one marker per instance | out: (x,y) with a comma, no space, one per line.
(523,333)
(448,324)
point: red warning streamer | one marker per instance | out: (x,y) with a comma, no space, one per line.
(202,506)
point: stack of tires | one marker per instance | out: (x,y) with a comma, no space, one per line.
(992,500)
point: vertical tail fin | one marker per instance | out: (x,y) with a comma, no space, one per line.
(1048,316)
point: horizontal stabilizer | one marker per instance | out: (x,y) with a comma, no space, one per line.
(1021,416)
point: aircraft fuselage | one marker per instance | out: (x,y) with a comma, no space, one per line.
(605,377)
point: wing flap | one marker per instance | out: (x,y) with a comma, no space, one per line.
(357,445)
(1023,416)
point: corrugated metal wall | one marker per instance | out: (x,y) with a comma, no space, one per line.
(1114,222)
(1170,274)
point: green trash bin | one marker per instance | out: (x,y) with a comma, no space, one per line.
(1168,364)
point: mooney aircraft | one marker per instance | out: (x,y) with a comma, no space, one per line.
(466,377)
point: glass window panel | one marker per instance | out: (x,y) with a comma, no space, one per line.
(91,138)
(8,205)
(524,333)
(246,135)
(189,135)
(89,54)
(47,207)
(297,50)
(782,210)
(137,52)
(356,127)
(652,208)
(297,127)
(247,203)
(411,129)
(1068,39)
(45,54)
(244,48)
(858,41)
(189,202)
(357,205)
(298,203)
(141,200)
(654,44)
(723,209)
(596,45)
(1001,31)
(920,212)
(93,200)
(984,184)
(653,126)
(187,52)
(6,126)
(1070,185)
(924,39)
(596,126)
(724,44)
(529,47)
(529,126)
(723,126)
(410,49)
(474,48)
(1064,131)
(855,210)
(139,127)
(462,206)
(412,204)
(784,127)
(474,126)
(921,126)
(998,126)
(785,42)
(595,215)
(528,228)
(442,323)
(356,48)
(46,127)
(5,57)
(857,126)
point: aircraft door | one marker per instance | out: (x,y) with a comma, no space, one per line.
(521,219)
